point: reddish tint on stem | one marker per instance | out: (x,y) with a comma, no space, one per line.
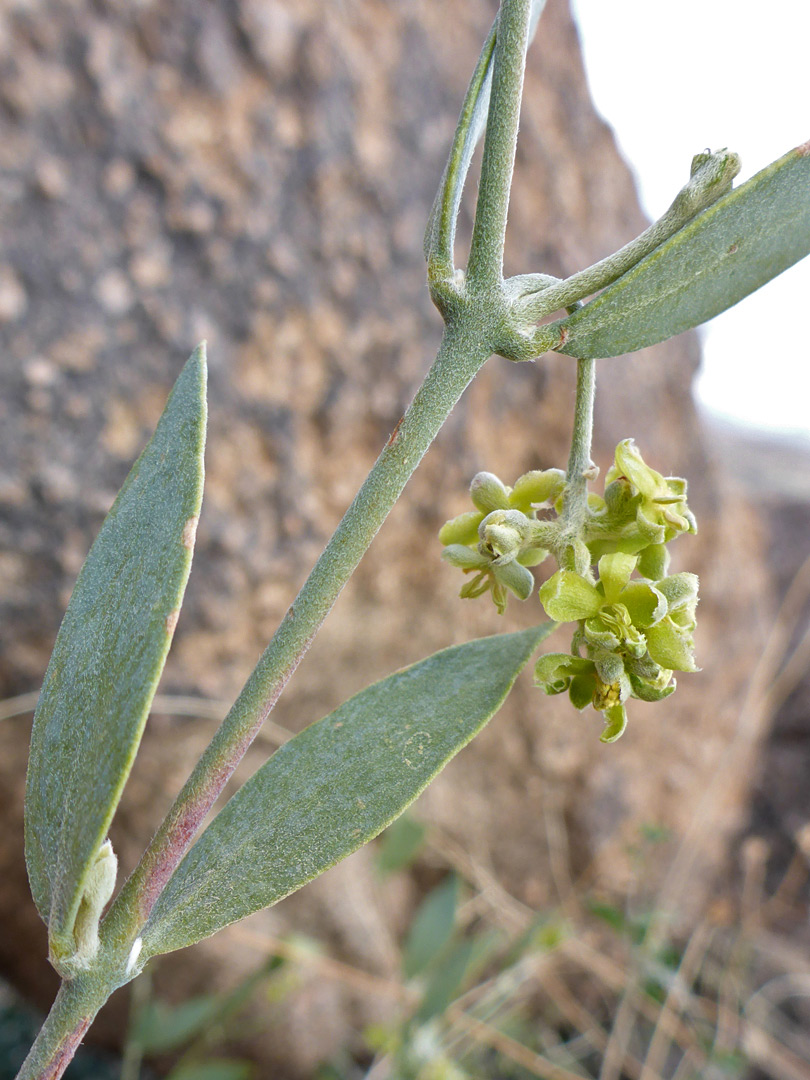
(65,1051)
(175,837)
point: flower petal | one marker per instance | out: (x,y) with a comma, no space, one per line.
(462,529)
(466,558)
(614,573)
(567,597)
(582,689)
(615,723)
(532,556)
(554,671)
(651,690)
(536,488)
(681,591)
(653,562)
(632,465)
(670,646)
(645,603)
(515,577)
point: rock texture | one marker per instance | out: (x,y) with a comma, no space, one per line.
(259,172)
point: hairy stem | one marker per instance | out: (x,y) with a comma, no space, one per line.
(485,268)
(461,355)
(441,228)
(59,1037)
(467,343)
(710,181)
(575,500)
(474,322)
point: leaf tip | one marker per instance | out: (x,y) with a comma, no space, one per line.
(197,366)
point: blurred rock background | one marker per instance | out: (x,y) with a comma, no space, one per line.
(258,173)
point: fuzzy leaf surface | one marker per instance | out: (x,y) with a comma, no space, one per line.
(335,786)
(731,249)
(109,655)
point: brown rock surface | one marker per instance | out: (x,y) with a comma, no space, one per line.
(259,172)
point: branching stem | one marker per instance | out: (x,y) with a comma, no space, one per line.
(461,355)
(468,341)
(474,319)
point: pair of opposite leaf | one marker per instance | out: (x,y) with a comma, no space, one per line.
(324,794)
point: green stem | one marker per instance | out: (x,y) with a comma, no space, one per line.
(709,182)
(575,500)
(474,322)
(441,229)
(462,353)
(73,1011)
(468,342)
(132,1057)
(485,267)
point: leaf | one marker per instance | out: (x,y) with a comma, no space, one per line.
(335,786)
(108,658)
(162,1027)
(441,225)
(213,1070)
(431,928)
(733,248)
(446,981)
(400,844)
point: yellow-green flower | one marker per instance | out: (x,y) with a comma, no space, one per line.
(634,632)
(498,540)
(490,576)
(488,493)
(641,508)
(556,673)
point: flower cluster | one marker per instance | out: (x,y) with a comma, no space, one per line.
(502,537)
(632,632)
(632,635)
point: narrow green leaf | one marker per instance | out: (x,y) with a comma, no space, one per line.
(441,226)
(108,658)
(335,786)
(400,844)
(746,238)
(431,928)
(162,1027)
(445,982)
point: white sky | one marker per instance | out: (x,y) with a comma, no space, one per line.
(675,78)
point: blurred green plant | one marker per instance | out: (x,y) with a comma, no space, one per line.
(489,989)
(341,781)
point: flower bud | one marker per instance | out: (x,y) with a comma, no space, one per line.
(537,488)
(620,500)
(503,533)
(653,562)
(488,493)
(98,888)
